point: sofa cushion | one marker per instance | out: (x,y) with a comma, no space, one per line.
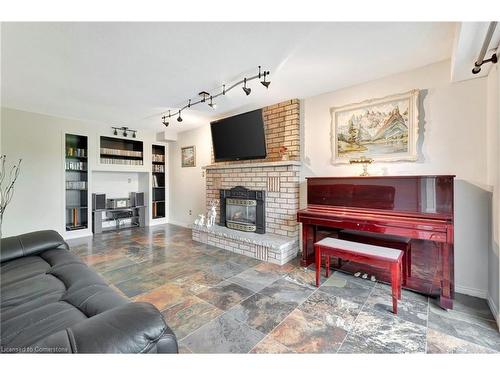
(48,292)
(32,326)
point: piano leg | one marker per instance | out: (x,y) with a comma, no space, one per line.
(447,282)
(307,245)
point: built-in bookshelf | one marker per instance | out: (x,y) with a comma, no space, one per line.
(158,181)
(119,151)
(76,181)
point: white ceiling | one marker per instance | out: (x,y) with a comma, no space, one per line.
(129,73)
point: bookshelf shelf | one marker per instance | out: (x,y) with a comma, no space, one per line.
(119,151)
(76,180)
(158,177)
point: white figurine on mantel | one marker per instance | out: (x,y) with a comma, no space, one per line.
(201,220)
(212,213)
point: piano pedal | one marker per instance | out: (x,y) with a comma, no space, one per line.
(365,276)
(373,278)
(357,274)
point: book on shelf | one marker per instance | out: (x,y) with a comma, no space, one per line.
(121,161)
(117,152)
(158,169)
(76,152)
(76,165)
(155,181)
(76,185)
(158,157)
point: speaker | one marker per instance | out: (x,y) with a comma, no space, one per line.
(98,202)
(137,199)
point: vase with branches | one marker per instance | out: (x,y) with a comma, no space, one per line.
(8,178)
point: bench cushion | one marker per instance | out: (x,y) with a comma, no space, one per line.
(361,248)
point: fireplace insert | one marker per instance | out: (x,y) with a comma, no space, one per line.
(243,209)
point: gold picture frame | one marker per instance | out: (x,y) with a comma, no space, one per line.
(188,156)
(383,129)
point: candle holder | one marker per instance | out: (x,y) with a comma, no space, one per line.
(364,161)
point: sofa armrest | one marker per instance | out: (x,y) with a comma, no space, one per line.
(30,244)
(137,327)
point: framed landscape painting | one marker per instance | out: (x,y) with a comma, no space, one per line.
(188,156)
(384,129)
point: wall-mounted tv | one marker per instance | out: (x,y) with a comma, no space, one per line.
(239,137)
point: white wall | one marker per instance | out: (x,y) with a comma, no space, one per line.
(188,184)
(453,129)
(493,146)
(115,184)
(38,201)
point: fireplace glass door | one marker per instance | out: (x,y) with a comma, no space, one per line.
(241,214)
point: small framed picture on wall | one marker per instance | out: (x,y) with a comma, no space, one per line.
(188,156)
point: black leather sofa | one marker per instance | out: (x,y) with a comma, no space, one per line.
(51,302)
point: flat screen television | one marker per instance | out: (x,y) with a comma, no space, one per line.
(239,137)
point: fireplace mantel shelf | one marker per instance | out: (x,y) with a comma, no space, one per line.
(279,163)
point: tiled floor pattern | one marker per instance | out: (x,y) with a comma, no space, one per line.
(219,302)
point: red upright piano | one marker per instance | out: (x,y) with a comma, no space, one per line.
(416,207)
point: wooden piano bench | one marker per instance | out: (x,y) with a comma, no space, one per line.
(384,240)
(377,256)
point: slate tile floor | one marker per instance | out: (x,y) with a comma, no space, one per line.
(220,302)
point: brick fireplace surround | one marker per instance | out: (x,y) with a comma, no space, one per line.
(278,178)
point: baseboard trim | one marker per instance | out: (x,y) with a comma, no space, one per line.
(74,235)
(494,311)
(154,222)
(180,224)
(474,292)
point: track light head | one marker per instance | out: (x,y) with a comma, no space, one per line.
(212,104)
(246,89)
(125,132)
(179,119)
(204,95)
(264,82)
(115,132)
(133,134)
(165,122)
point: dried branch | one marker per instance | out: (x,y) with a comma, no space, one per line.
(7,184)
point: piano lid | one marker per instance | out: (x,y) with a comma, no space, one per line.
(412,194)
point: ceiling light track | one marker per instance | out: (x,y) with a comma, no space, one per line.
(207,97)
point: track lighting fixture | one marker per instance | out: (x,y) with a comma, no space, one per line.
(205,96)
(125,131)
(246,89)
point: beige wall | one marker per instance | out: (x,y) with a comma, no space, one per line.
(188,184)
(453,130)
